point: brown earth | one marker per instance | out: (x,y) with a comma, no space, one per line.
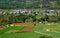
(1,27)
(28,27)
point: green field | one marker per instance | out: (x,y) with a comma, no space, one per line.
(11,28)
(37,31)
(54,29)
(21,35)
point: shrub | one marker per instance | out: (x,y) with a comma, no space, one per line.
(46,36)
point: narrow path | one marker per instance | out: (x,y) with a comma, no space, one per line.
(45,33)
(55,31)
(41,33)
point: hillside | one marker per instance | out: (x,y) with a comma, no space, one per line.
(7,4)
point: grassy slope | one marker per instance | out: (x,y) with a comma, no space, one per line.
(39,28)
(11,28)
(31,34)
(21,35)
(55,29)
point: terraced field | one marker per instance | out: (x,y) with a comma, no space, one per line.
(2,31)
(51,30)
(36,32)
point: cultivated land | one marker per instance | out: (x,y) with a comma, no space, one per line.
(54,29)
(37,31)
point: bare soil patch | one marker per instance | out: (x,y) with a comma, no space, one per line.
(28,27)
(1,27)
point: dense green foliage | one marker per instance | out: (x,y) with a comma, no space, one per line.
(8,18)
(18,17)
(46,36)
(8,4)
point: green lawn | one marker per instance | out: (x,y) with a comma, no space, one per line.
(11,28)
(21,35)
(54,29)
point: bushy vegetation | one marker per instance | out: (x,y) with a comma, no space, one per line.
(18,17)
(46,36)
(8,4)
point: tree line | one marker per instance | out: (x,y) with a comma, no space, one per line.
(28,4)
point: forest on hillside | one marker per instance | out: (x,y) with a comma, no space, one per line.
(8,4)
